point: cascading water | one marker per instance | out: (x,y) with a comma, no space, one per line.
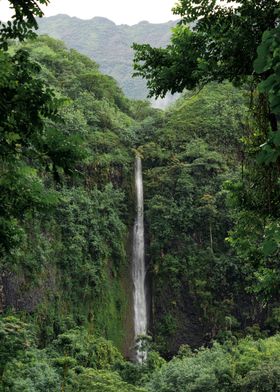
(138,263)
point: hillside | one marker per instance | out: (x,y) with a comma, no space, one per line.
(73,249)
(68,210)
(109,44)
(139,248)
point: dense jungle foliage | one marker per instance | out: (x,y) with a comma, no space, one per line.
(211,181)
(79,361)
(238,44)
(63,189)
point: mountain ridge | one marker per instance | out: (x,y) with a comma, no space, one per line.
(98,17)
(109,44)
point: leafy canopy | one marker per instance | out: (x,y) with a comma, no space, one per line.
(268,62)
(23,21)
(214,41)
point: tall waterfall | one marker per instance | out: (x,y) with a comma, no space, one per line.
(138,262)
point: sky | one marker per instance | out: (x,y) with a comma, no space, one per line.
(119,11)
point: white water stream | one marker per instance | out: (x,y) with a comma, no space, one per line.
(138,263)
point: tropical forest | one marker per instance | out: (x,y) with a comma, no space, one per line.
(140,243)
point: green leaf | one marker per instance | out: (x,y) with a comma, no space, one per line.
(269,247)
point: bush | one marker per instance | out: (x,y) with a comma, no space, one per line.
(208,371)
(89,351)
(32,373)
(90,380)
(249,366)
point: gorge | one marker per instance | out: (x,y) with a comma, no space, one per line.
(81,281)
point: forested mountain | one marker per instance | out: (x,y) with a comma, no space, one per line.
(80,179)
(108,44)
(210,165)
(66,253)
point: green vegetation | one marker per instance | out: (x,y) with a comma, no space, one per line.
(23,21)
(188,217)
(210,50)
(66,162)
(78,361)
(74,361)
(248,366)
(222,46)
(109,44)
(211,179)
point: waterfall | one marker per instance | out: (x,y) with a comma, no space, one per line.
(138,263)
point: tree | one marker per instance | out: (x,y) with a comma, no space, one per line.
(214,41)
(15,336)
(217,41)
(23,21)
(92,380)
(250,365)
(268,62)
(33,141)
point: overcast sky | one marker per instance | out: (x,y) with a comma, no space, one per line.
(119,11)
